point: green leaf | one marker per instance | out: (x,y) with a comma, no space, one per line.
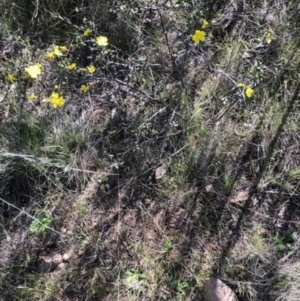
(40,224)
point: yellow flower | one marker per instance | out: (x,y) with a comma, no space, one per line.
(241,85)
(268,37)
(33,71)
(249,92)
(50,55)
(91,69)
(63,48)
(199,36)
(56,100)
(71,66)
(87,32)
(84,88)
(57,51)
(204,24)
(32,97)
(102,41)
(11,78)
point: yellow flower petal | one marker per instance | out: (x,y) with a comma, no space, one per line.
(50,55)
(32,97)
(71,66)
(57,51)
(102,41)
(11,78)
(204,24)
(268,38)
(87,32)
(249,92)
(33,71)
(199,36)
(63,48)
(91,69)
(56,100)
(84,88)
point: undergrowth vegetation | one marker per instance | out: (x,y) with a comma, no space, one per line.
(146,146)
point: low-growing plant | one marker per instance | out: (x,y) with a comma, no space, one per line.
(40,224)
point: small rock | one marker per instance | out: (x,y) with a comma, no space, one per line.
(49,263)
(66,257)
(62,266)
(209,191)
(216,290)
(160,172)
